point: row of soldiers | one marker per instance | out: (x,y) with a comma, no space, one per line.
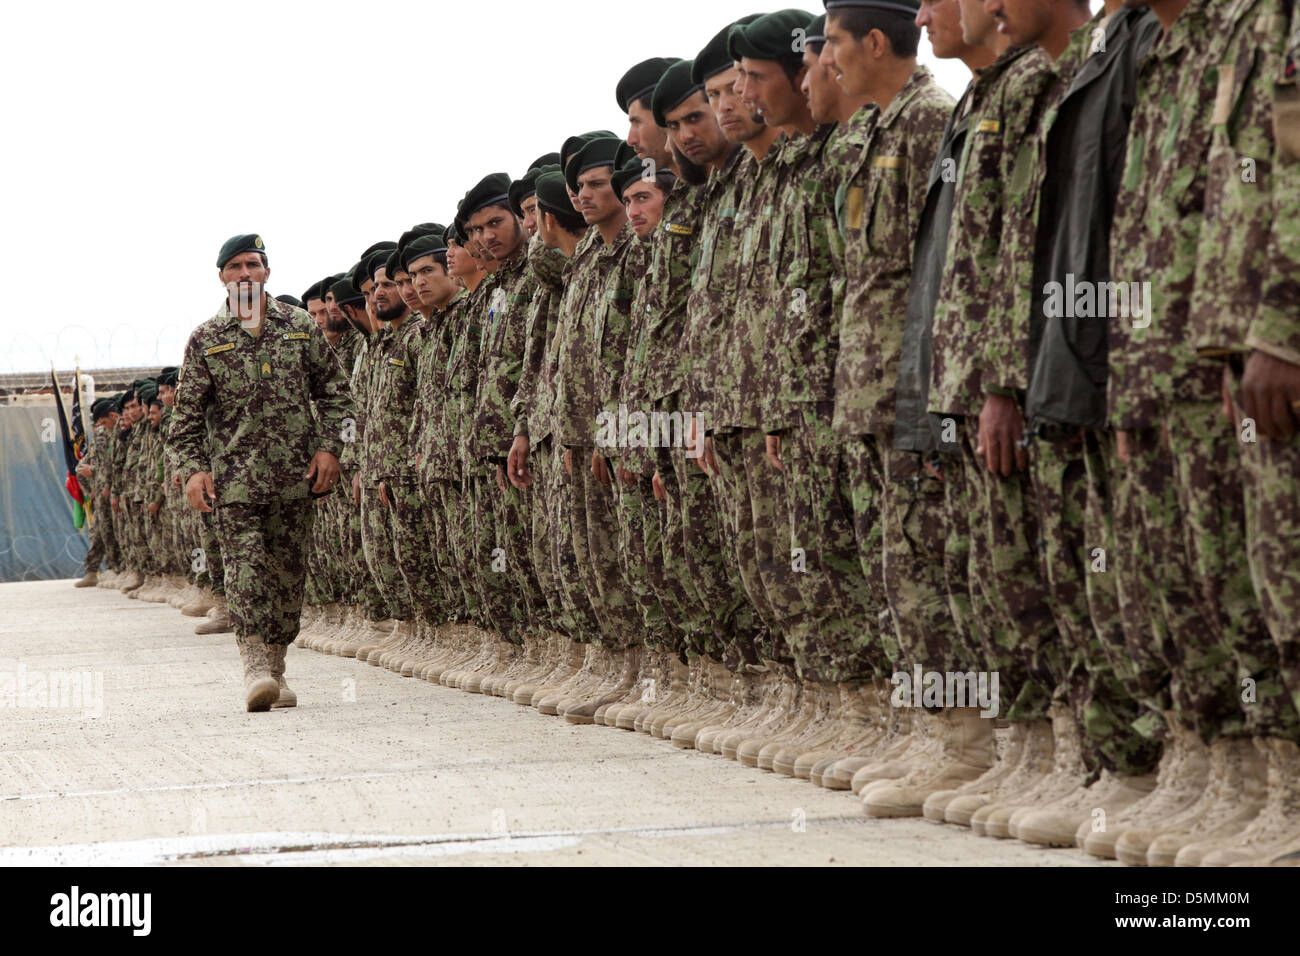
(941,451)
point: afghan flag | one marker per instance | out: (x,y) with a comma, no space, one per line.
(70,459)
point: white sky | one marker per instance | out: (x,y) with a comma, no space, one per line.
(144,134)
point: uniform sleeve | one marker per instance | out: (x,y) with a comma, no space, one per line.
(336,413)
(189,431)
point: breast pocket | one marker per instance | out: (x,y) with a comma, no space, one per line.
(886,230)
(232,373)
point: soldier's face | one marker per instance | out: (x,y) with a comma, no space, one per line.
(406,289)
(1020,21)
(245,277)
(431,282)
(388,301)
(596,199)
(977,27)
(459,262)
(110,420)
(846,58)
(644,136)
(769,93)
(941,20)
(367,288)
(693,129)
(319,312)
(734,118)
(529,208)
(338,320)
(167,394)
(155,414)
(645,206)
(133,411)
(496,230)
(819,88)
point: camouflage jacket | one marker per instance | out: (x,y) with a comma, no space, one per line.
(596,317)
(505,325)
(157,477)
(253,411)
(967,294)
(1024,108)
(136,455)
(739,353)
(388,456)
(427,439)
(809,271)
(878,211)
(462,375)
(1251,239)
(532,405)
(713,280)
(347,351)
(1158,219)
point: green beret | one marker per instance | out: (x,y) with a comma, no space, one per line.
(421,247)
(368,265)
(674,88)
(551,193)
(522,188)
(626,174)
(492,190)
(119,403)
(148,392)
(773,36)
(386,246)
(608,151)
(393,263)
(102,408)
(714,58)
(288,300)
(314,291)
(546,159)
(641,80)
(237,244)
(346,292)
(816,31)
(575,143)
(168,376)
(910,7)
(327,283)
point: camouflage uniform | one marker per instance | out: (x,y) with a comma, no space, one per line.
(595,320)
(355,585)
(501,352)
(567,601)
(1247,296)
(1008,597)
(844,642)
(1168,400)
(897,506)
(253,411)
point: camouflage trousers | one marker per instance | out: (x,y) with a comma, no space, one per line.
(557,492)
(99,536)
(416,550)
(594,534)
(699,558)
(362,587)
(1271,470)
(844,644)
(1008,612)
(538,518)
(511,510)
(445,502)
(1091,630)
(900,518)
(487,560)
(265,551)
(319,588)
(1190,505)
(380,555)
(753,496)
(640,551)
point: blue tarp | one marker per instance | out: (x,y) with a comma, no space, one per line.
(37,539)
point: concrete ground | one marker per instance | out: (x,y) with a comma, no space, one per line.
(124,741)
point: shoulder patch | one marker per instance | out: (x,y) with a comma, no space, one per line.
(989,126)
(296,336)
(217,349)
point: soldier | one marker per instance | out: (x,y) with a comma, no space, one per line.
(103,418)
(259,411)
(634,93)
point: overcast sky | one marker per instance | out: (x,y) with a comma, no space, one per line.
(141,135)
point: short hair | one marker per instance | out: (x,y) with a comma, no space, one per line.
(899,29)
(570,222)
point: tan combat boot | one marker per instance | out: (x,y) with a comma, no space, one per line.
(651,672)
(624,670)
(594,670)
(573,657)
(1036,761)
(966,753)
(547,654)
(218,621)
(132,580)
(701,701)
(859,729)
(107,578)
(1275,830)
(664,698)
(261,689)
(726,691)
(200,603)
(749,687)
(1069,774)
(89,581)
(1181,778)
(1008,740)
(276,656)
(798,757)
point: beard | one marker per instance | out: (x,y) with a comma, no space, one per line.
(392,312)
(336,326)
